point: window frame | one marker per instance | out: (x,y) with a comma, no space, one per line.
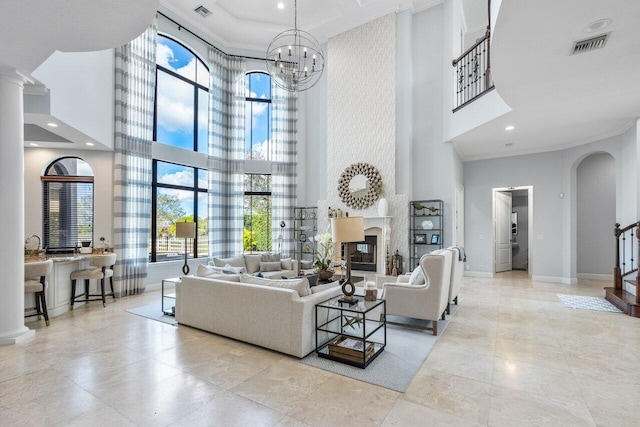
(269,194)
(195,85)
(249,153)
(155,185)
(46,179)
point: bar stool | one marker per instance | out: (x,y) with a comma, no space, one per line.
(102,269)
(35,281)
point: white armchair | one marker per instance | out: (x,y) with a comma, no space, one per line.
(426,301)
(457,265)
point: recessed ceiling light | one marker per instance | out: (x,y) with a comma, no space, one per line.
(510,128)
(508,144)
(90,144)
(53,125)
(33,144)
(598,25)
(280,5)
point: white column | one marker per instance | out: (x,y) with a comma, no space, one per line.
(12,329)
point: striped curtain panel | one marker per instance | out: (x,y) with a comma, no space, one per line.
(135,79)
(226,154)
(284,134)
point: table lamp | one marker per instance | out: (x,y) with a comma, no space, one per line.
(347,230)
(186,230)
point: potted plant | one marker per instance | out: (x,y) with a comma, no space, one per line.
(324,255)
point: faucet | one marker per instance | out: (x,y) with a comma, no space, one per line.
(26,242)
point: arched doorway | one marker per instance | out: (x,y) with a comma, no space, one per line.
(595,216)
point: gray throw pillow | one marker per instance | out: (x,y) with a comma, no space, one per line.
(252,262)
(270,257)
(286,264)
(270,266)
(306,264)
(236,261)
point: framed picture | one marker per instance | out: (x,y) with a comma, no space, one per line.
(435,239)
(420,239)
(302,237)
(514,223)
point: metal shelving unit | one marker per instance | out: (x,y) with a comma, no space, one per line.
(426,229)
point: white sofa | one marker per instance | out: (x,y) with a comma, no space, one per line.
(262,263)
(272,317)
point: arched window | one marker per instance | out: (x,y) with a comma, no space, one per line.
(182,97)
(67,204)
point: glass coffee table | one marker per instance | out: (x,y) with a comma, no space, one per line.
(354,334)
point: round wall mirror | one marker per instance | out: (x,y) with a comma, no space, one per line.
(359,185)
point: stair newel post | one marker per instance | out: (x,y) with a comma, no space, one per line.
(638,272)
(617,274)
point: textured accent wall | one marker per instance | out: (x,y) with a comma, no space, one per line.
(361,117)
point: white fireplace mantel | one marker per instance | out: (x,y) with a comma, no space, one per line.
(383,223)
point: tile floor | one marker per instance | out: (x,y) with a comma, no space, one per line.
(512,355)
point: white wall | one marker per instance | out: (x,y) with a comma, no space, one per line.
(596,214)
(82,91)
(435,164)
(554,256)
(361,118)
(630,176)
(543,172)
(35,162)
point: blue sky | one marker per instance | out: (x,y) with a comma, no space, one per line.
(176,113)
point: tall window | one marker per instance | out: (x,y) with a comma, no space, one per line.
(257,213)
(67,201)
(179,194)
(257,116)
(182,97)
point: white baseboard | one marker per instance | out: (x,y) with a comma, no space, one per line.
(486,274)
(555,279)
(607,277)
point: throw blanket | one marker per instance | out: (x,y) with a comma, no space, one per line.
(461,255)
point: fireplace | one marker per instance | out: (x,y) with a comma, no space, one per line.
(364,254)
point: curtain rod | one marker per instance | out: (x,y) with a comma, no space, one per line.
(182,27)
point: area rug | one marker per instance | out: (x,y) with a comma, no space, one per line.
(398,363)
(153,312)
(587,303)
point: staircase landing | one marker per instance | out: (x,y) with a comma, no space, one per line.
(625,301)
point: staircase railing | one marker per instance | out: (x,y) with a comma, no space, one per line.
(627,242)
(473,72)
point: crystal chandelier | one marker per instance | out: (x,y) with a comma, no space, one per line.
(295,59)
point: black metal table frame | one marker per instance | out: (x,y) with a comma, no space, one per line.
(342,307)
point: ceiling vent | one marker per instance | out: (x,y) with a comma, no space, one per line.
(203,11)
(590,44)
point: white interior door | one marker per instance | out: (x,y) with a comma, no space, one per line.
(502,242)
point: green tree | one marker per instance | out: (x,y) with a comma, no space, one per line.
(169,210)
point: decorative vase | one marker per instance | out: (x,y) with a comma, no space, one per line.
(383,207)
(325,274)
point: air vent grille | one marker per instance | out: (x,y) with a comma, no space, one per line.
(203,11)
(590,44)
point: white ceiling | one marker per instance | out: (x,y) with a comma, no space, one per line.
(559,100)
(31,31)
(252,24)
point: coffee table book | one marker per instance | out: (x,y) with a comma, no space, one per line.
(351,349)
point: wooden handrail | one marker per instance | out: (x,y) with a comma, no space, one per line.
(473,46)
